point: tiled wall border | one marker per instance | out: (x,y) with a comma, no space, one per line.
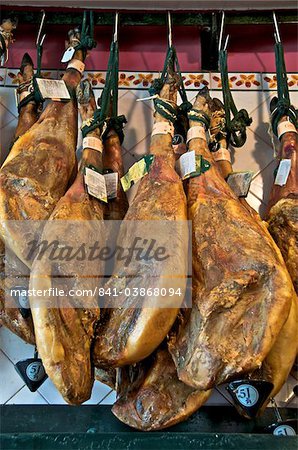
(239,81)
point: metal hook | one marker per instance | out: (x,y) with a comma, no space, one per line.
(116,27)
(276,34)
(170,29)
(226,43)
(39,40)
(221,30)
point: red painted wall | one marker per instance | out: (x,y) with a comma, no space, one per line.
(142,48)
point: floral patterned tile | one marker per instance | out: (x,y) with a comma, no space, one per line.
(238,81)
(11,78)
(97,79)
(196,80)
(52,74)
(2,76)
(270,82)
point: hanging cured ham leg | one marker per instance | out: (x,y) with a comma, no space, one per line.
(64,330)
(241,298)
(150,395)
(12,267)
(278,363)
(283,203)
(129,334)
(36,173)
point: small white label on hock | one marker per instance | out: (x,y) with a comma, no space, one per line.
(285,127)
(111,184)
(283,172)
(96,185)
(187,163)
(53,89)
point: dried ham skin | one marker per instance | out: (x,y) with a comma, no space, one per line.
(242,292)
(150,395)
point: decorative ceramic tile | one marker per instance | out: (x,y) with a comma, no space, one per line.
(52,74)
(144,80)
(269,81)
(128,160)
(6,116)
(99,392)
(53,396)
(256,203)
(50,393)
(142,148)
(109,399)
(262,183)
(9,101)
(196,80)
(2,76)
(6,138)
(238,81)
(255,155)
(139,116)
(97,79)
(14,347)
(11,77)
(11,383)
(26,397)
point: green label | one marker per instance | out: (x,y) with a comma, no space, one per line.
(202,165)
(137,172)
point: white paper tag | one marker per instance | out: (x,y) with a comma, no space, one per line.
(68,54)
(283,172)
(111,184)
(187,163)
(162,128)
(93,142)
(54,89)
(96,185)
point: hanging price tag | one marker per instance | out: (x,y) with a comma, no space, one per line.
(68,54)
(283,172)
(187,164)
(32,372)
(249,395)
(53,89)
(96,185)
(191,165)
(283,428)
(136,172)
(111,180)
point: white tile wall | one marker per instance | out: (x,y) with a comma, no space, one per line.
(256,154)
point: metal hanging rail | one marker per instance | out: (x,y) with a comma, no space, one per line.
(63,17)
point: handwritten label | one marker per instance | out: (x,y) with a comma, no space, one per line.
(96,185)
(111,180)
(53,89)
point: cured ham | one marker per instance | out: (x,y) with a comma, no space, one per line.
(10,266)
(283,206)
(40,164)
(278,363)
(150,395)
(241,298)
(64,330)
(128,334)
